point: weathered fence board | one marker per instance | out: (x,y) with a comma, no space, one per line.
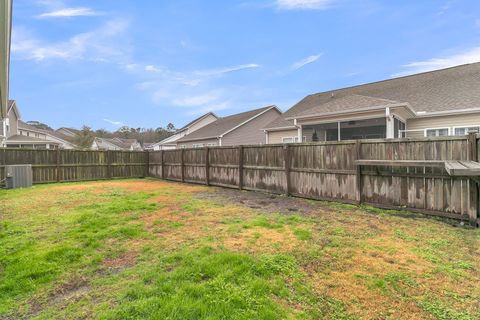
(328,171)
(75,165)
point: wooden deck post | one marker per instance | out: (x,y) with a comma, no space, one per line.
(358,178)
(240,167)
(57,168)
(207,166)
(162,169)
(183,164)
(472,184)
(286,164)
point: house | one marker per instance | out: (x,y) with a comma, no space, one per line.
(5,35)
(171,142)
(238,129)
(436,103)
(69,132)
(19,134)
(116,144)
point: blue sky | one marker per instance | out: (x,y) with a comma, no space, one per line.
(145,63)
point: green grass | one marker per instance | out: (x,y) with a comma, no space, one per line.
(142,249)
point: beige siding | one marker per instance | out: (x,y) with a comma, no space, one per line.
(471,119)
(190,144)
(251,132)
(275,137)
(200,124)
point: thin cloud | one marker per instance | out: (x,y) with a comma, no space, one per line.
(469,56)
(195,101)
(115,123)
(308,60)
(228,69)
(98,45)
(68,13)
(303,4)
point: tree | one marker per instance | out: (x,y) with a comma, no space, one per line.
(85,138)
(170,127)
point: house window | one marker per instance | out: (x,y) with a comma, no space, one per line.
(439,132)
(399,127)
(291,139)
(211,144)
(199,145)
(461,131)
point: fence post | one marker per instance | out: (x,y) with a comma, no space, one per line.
(240,167)
(358,176)
(286,164)
(473,186)
(109,164)
(183,165)
(57,168)
(162,169)
(147,164)
(207,166)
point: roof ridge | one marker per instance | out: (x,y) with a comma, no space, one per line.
(391,79)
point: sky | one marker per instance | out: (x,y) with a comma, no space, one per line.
(146,63)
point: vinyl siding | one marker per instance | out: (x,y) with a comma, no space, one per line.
(189,144)
(200,124)
(275,137)
(251,132)
(451,121)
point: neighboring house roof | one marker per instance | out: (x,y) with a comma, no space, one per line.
(171,140)
(24,139)
(72,131)
(447,90)
(125,144)
(348,103)
(12,106)
(224,125)
(25,126)
(191,123)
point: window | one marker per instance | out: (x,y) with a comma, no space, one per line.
(211,144)
(399,127)
(439,132)
(461,131)
(291,139)
(200,145)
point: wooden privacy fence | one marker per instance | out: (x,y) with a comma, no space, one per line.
(410,175)
(329,171)
(76,165)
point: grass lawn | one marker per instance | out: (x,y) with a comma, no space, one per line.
(139,249)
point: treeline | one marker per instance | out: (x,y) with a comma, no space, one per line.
(143,135)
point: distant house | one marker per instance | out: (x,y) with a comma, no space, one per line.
(70,132)
(437,103)
(237,129)
(116,144)
(171,142)
(19,134)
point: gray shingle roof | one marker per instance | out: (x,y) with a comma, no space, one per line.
(449,89)
(222,125)
(20,138)
(347,103)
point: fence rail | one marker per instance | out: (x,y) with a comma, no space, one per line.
(326,171)
(76,165)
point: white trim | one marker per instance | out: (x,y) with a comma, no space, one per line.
(313,122)
(463,127)
(280,128)
(437,128)
(380,107)
(424,114)
(266,136)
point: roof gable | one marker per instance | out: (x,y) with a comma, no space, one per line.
(225,125)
